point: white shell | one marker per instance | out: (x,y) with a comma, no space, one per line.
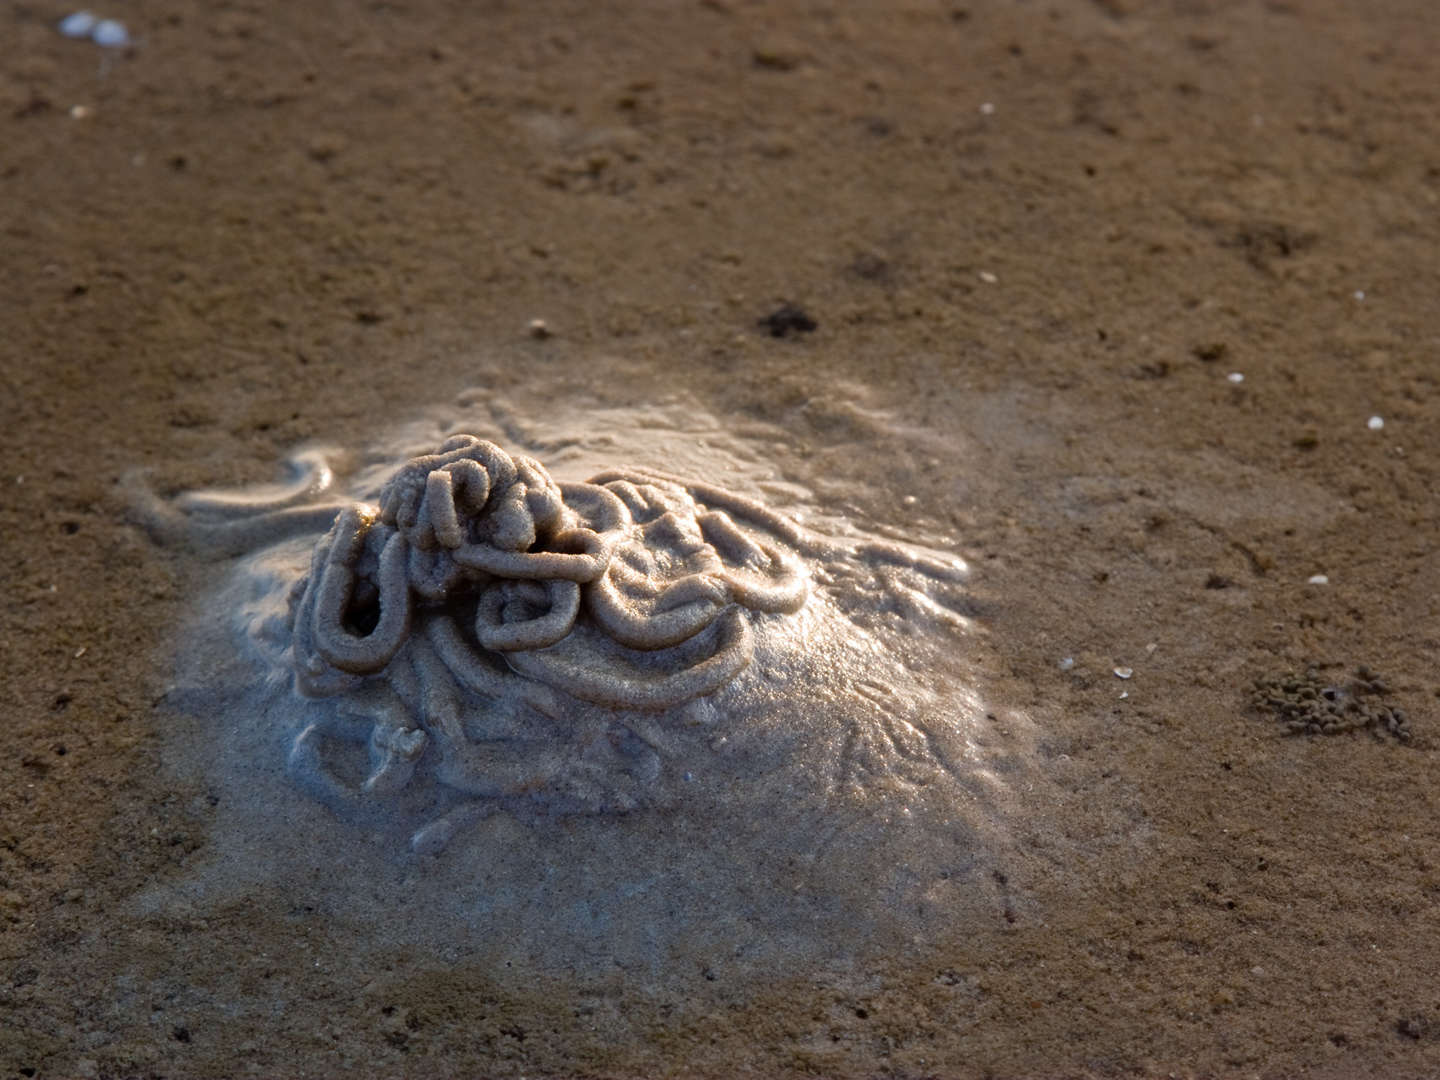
(111,34)
(77,25)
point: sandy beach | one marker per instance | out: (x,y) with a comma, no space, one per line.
(1129,304)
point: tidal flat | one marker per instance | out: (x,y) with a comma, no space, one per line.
(1100,299)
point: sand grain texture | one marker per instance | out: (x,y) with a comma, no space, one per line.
(1035,238)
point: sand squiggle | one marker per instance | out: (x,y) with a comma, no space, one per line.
(516,642)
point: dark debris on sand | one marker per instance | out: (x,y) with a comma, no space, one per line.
(788,319)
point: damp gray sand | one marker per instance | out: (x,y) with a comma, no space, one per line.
(595,718)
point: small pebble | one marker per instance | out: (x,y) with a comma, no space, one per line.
(1067,663)
(1235,377)
(987,109)
(1317,579)
(1124,672)
(110,34)
(988,278)
(1375,423)
(77,25)
(538,329)
(1359,294)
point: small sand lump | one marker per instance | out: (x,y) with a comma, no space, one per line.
(1312,704)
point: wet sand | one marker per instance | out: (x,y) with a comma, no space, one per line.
(1038,243)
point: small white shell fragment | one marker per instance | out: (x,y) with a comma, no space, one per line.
(77,25)
(1317,579)
(110,34)
(1236,377)
(1124,672)
(1359,294)
(1067,663)
(988,278)
(1124,694)
(80,112)
(1375,423)
(987,108)
(1152,647)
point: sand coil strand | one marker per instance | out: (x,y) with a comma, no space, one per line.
(469,528)
(513,640)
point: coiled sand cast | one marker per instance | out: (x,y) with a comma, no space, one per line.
(509,640)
